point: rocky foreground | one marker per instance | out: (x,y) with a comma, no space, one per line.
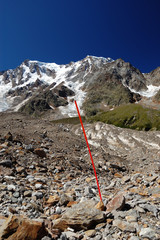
(48,188)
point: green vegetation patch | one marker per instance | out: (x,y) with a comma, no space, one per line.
(70,120)
(132,116)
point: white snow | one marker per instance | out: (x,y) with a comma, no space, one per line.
(70,109)
(150,92)
(4,88)
(20,105)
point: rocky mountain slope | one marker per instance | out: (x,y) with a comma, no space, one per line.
(47,184)
(95,82)
(48,187)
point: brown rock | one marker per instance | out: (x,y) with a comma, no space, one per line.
(118,175)
(158,181)
(155,196)
(53,232)
(90,233)
(55,216)
(71,203)
(52,200)
(8,136)
(20,228)
(61,224)
(117,203)
(88,180)
(131,219)
(20,169)
(124,226)
(40,152)
(12,210)
(83,215)
(109,220)
(100,206)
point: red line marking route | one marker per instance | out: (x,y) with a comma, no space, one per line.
(88,150)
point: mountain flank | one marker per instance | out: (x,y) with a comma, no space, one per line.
(97,84)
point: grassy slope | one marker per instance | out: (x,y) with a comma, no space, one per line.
(132,116)
(69,120)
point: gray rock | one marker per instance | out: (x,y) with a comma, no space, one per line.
(139,209)
(133,212)
(117,214)
(37,194)
(134,238)
(71,235)
(98,237)
(38,186)
(2,222)
(64,199)
(63,236)
(27,194)
(154,190)
(66,186)
(58,210)
(150,208)
(11,187)
(14,200)
(89,191)
(46,238)
(124,226)
(135,176)
(148,233)
(29,147)
(16,194)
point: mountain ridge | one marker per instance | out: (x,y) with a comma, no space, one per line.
(32,78)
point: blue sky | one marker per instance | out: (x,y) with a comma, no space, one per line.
(67,30)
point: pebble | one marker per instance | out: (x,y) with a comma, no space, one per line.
(37,194)
(38,186)
(11,187)
(58,210)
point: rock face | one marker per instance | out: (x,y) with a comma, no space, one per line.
(153,77)
(41,87)
(46,100)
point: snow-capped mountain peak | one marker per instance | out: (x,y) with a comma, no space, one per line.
(17,86)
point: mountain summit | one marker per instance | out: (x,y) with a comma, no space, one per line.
(95,82)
